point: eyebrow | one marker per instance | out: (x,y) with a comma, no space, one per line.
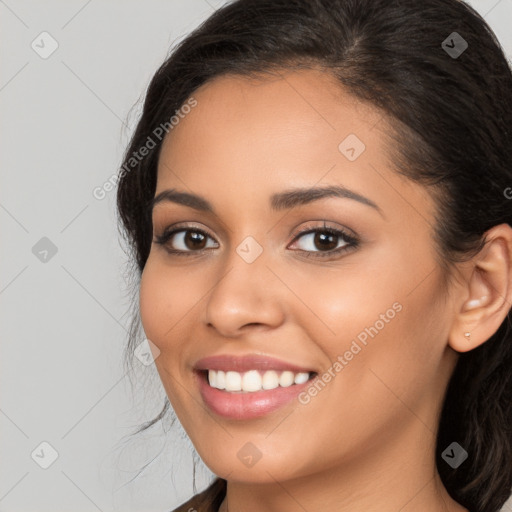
(278,202)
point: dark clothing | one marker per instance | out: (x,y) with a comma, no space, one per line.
(207,501)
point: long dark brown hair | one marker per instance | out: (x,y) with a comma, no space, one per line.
(437,72)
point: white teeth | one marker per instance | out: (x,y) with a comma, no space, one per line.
(270,380)
(253,380)
(286,379)
(233,381)
(212,378)
(300,378)
(220,382)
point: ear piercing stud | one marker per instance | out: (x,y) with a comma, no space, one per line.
(468,335)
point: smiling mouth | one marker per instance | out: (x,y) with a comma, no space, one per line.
(254,380)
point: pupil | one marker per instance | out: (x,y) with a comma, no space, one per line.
(193,237)
(320,239)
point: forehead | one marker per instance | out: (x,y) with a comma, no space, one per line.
(248,139)
(283,122)
(312,96)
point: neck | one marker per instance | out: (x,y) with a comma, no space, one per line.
(386,476)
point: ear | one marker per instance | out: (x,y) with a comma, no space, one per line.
(486,293)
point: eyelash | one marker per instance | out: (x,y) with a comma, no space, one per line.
(351,241)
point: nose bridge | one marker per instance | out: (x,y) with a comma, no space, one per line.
(244,294)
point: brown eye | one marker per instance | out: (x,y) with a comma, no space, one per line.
(184,240)
(324,241)
(194,240)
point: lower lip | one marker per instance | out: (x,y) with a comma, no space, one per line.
(249,405)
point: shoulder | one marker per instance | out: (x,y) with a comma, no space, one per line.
(207,501)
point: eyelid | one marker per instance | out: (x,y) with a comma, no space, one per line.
(302,230)
(352,240)
(172,230)
(313,226)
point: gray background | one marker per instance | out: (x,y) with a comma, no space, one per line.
(66,120)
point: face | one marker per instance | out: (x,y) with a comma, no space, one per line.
(341,287)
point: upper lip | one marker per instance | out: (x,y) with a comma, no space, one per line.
(228,362)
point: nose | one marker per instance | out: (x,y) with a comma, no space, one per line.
(246,296)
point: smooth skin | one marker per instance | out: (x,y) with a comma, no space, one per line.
(366,441)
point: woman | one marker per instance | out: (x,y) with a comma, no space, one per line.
(321,223)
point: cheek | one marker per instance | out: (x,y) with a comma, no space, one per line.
(169,296)
(156,302)
(383,313)
(342,301)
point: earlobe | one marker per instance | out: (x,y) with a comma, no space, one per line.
(487,293)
